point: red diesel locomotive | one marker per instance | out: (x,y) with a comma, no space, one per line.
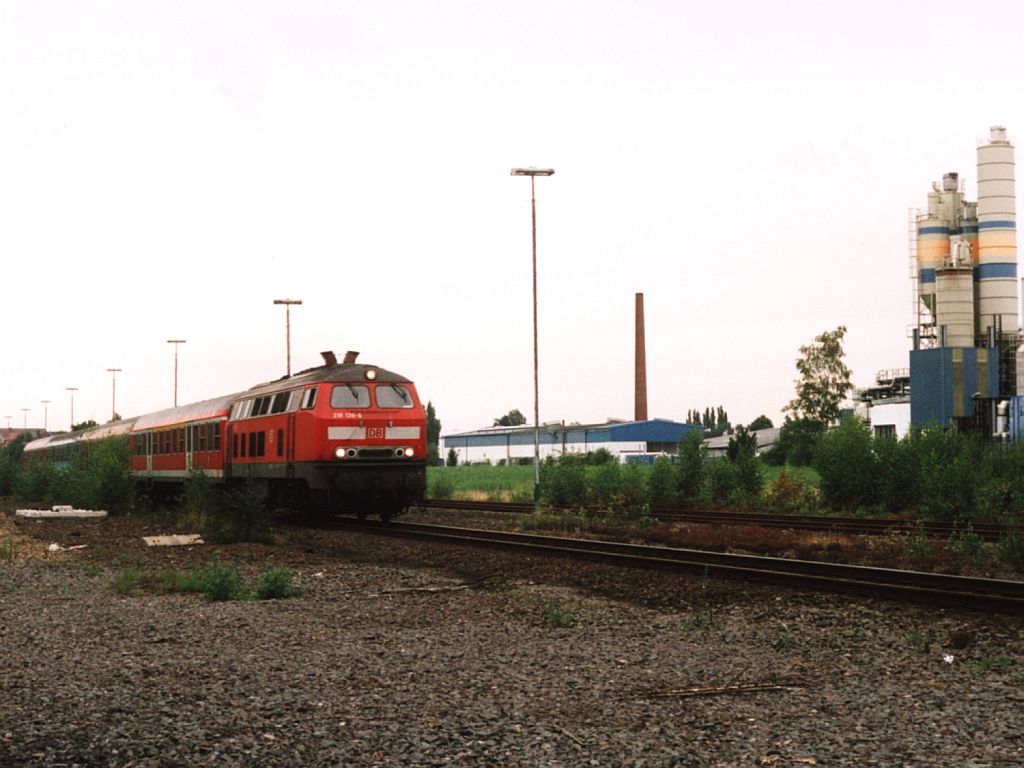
(339,437)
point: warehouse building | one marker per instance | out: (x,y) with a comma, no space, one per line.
(626,440)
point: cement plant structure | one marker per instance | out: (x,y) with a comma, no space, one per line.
(966,362)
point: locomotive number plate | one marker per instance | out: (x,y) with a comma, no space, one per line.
(375,433)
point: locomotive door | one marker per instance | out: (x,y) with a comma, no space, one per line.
(229,446)
(289,442)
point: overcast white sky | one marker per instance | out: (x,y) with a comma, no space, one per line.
(167,169)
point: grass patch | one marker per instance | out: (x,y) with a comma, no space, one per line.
(558,616)
(7,551)
(217,582)
(276,584)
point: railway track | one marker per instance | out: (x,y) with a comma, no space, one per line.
(977,593)
(854,525)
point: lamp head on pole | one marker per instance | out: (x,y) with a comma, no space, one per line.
(533,171)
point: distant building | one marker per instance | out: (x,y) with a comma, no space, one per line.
(717,447)
(626,440)
(885,406)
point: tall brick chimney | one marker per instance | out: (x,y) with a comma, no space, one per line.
(640,365)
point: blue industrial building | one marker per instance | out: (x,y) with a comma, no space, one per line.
(627,440)
(953,386)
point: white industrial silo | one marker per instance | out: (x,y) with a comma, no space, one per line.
(997,236)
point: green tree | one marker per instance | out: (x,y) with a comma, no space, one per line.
(761,422)
(743,443)
(433,434)
(824,379)
(797,440)
(511,419)
(691,468)
(453,458)
(846,461)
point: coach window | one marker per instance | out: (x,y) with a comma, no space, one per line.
(393,396)
(309,399)
(181,440)
(216,436)
(350,396)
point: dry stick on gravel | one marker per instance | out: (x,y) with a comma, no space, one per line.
(714,690)
(443,588)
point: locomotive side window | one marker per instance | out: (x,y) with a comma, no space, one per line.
(350,396)
(393,396)
(216,436)
(280,402)
(280,442)
(309,399)
(234,446)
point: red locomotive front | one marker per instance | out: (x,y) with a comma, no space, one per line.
(343,436)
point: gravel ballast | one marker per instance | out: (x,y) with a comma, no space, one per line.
(407,654)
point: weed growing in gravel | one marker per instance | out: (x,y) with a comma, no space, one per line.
(918,545)
(216,582)
(992,663)
(557,616)
(967,543)
(221,582)
(90,570)
(918,642)
(127,582)
(275,584)
(1011,546)
(702,621)
(782,640)
(7,551)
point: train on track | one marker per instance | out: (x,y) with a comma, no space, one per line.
(341,437)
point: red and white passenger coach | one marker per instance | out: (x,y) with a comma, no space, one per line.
(340,437)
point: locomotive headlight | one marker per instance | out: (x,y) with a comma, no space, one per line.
(339,453)
(408,453)
(371,374)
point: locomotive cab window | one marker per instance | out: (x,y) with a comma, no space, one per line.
(309,398)
(393,396)
(350,396)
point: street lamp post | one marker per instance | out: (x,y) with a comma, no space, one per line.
(533,173)
(113,392)
(288,328)
(176,342)
(72,390)
(45,403)
(24,418)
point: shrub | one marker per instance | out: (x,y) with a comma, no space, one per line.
(607,485)
(661,483)
(563,482)
(276,584)
(691,469)
(848,466)
(600,457)
(723,481)
(441,486)
(557,616)
(791,493)
(241,515)
(220,582)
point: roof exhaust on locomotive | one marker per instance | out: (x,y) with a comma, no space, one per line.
(350,357)
(329,358)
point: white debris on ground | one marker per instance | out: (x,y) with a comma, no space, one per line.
(60,511)
(174,540)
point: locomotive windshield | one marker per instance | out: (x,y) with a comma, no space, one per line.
(350,396)
(393,396)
